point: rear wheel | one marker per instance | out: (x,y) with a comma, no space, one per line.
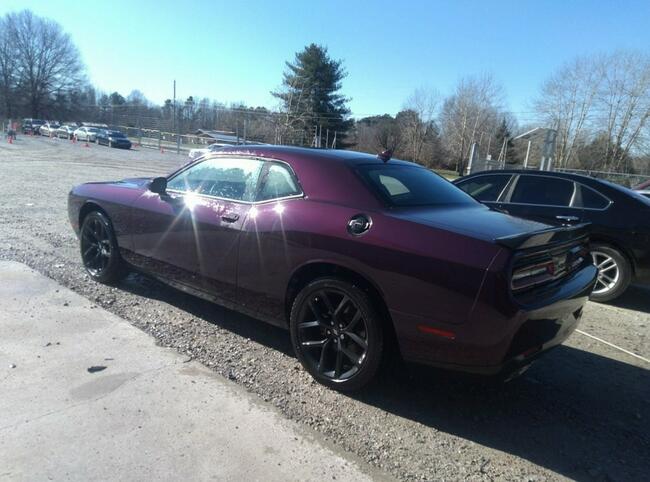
(614,272)
(337,334)
(99,250)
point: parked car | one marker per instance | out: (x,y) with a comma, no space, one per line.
(196,153)
(88,134)
(619,217)
(112,138)
(31,126)
(350,252)
(49,129)
(66,131)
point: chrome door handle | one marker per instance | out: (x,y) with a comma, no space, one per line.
(230,217)
(568,219)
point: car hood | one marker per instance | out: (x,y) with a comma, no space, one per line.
(477,221)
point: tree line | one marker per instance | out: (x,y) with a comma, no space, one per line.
(599,105)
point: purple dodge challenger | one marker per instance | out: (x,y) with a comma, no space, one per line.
(351,252)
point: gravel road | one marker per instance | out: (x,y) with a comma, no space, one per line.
(582,412)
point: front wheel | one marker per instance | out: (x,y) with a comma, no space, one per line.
(337,334)
(99,250)
(614,272)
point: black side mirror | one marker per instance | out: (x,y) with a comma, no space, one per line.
(158,185)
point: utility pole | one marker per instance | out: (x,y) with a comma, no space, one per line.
(174,109)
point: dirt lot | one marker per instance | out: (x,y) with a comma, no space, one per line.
(583,412)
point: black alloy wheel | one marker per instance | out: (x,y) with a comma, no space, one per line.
(99,251)
(337,334)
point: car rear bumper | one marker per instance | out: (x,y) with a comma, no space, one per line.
(499,339)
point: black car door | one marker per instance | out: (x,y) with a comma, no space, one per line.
(543,198)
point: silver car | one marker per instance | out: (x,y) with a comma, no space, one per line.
(66,131)
(88,134)
(49,129)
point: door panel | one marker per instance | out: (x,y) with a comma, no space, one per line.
(543,198)
(163,238)
(216,226)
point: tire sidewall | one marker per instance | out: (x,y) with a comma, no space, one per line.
(625,273)
(115,269)
(374,326)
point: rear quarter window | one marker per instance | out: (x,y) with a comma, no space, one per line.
(591,199)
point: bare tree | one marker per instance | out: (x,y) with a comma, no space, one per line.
(624,104)
(7,69)
(418,131)
(566,101)
(47,61)
(470,115)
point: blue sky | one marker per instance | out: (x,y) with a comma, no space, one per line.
(235,50)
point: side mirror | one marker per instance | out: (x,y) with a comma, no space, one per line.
(158,185)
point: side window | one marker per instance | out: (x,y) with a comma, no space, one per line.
(225,178)
(485,188)
(278,182)
(591,199)
(548,191)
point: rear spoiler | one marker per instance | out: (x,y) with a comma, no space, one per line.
(544,237)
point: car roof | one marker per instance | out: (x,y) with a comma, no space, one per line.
(292,152)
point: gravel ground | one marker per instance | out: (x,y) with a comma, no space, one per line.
(582,412)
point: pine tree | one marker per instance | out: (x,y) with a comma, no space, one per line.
(311,98)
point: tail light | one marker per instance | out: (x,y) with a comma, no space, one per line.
(543,266)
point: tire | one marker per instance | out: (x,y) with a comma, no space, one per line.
(100,253)
(337,334)
(614,272)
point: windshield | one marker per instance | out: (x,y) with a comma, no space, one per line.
(115,134)
(404,185)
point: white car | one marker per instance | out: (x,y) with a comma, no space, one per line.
(49,129)
(88,134)
(196,153)
(65,131)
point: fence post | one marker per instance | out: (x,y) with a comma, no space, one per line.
(178,143)
(159,140)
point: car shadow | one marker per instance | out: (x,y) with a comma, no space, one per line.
(636,297)
(576,413)
(233,321)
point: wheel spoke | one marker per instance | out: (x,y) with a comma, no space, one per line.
(351,356)
(328,303)
(605,277)
(358,340)
(312,343)
(309,324)
(353,322)
(339,362)
(608,268)
(339,308)
(314,309)
(88,251)
(321,360)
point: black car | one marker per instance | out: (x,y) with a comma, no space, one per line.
(113,138)
(619,217)
(31,126)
